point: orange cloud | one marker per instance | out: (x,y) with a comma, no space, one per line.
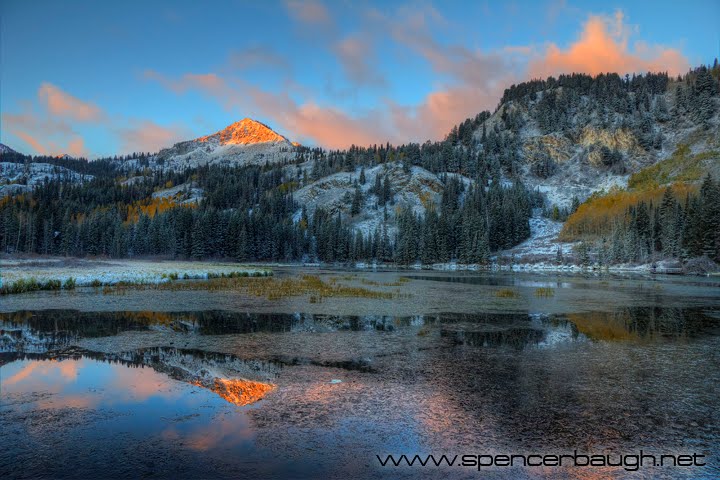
(603,47)
(76,147)
(148,136)
(32,142)
(48,126)
(308,11)
(63,104)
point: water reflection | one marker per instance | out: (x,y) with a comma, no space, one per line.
(240,382)
(619,381)
(55,330)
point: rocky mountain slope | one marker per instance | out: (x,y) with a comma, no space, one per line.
(19,177)
(243,143)
(5,149)
(570,140)
(503,179)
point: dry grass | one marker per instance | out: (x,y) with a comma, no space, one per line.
(507,293)
(397,283)
(271,288)
(544,292)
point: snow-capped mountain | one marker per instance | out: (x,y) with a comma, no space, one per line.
(5,149)
(245,142)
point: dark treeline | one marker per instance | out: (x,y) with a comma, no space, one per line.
(249,213)
(672,228)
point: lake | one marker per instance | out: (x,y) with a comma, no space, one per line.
(188,384)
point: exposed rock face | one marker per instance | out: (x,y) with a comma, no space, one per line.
(244,132)
(244,142)
(417,189)
(20,177)
(586,142)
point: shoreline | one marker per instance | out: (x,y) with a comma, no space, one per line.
(110,271)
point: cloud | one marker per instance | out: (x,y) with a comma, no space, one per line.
(308,11)
(204,81)
(63,104)
(603,46)
(354,54)
(257,57)
(32,120)
(49,125)
(44,134)
(148,136)
(329,127)
(32,141)
(472,80)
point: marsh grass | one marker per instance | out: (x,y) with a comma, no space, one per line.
(397,283)
(507,293)
(271,288)
(545,292)
(32,284)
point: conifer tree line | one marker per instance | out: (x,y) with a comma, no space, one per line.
(249,212)
(672,228)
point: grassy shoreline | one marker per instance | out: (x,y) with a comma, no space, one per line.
(48,274)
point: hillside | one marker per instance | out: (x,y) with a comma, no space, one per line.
(242,143)
(17,178)
(576,135)
(500,184)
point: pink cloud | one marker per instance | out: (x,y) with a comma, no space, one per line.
(35,144)
(48,127)
(76,147)
(355,54)
(308,11)
(63,104)
(205,81)
(328,126)
(148,136)
(603,47)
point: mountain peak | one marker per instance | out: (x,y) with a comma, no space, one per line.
(5,149)
(245,132)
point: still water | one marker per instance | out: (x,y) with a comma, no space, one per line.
(231,394)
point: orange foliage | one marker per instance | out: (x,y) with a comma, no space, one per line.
(598,214)
(152,207)
(604,326)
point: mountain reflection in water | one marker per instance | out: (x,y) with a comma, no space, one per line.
(226,394)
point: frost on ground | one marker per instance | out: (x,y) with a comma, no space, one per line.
(109,272)
(543,239)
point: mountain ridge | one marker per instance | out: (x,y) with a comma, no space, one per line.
(246,142)
(498,181)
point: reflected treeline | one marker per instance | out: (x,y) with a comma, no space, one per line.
(212,322)
(635,323)
(500,281)
(522,330)
(517,338)
(54,330)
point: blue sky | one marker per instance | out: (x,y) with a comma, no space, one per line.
(98,78)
